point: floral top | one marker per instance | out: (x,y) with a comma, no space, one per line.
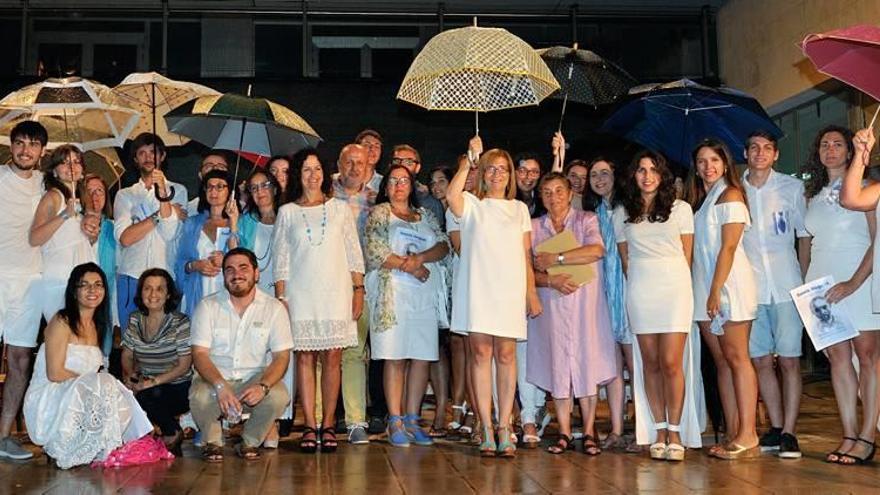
(378,249)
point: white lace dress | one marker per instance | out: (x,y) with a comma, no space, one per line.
(81,419)
(316,248)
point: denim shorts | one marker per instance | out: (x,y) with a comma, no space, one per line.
(777,329)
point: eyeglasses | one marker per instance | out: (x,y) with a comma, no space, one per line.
(216,187)
(87,286)
(260,186)
(497,170)
(406,162)
(524,172)
(402,181)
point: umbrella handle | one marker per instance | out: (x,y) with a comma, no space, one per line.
(163,199)
(476,122)
(874,118)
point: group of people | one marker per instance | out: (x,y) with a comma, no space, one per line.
(498,282)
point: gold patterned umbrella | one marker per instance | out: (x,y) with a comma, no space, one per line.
(153,95)
(72,110)
(477,69)
(104,162)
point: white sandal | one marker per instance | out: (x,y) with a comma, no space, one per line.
(674,451)
(658,449)
(455,425)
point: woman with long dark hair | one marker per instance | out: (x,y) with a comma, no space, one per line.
(842,246)
(77,413)
(725,294)
(654,234)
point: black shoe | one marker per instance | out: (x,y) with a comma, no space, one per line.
(788,447)
(284,427)
(376,425)
(771,440)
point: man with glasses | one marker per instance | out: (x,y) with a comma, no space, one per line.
(147,220)
(21,187)
(528,171)
(372,141)
(407,156)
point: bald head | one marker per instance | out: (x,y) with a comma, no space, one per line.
(353,166)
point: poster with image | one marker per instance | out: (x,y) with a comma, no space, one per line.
(826,323)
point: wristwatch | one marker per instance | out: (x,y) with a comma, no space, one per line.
(265,388)
(560,259)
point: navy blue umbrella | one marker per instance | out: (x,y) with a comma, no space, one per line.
(672,118)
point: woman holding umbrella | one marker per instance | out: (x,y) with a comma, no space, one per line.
(99,216)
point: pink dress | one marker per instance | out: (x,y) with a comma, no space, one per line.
(571,346)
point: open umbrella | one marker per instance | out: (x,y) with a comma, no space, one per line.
(242,124)
(673,118)
(153,95)
(104,162)
(476,69)
(585,77)
(72,110)
(851,55)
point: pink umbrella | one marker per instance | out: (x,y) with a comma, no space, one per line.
(851,55)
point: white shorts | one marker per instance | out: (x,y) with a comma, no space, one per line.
(20,310)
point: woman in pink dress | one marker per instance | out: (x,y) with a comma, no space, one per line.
(571,346)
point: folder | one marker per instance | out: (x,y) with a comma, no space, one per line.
(561,242)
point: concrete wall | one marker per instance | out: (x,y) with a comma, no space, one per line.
(758,42)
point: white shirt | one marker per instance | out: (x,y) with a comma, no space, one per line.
(158,248)
(777,209)
(240,346)
(19,199)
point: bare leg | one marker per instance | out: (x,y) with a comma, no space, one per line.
(588,411)
(866,347)
(458,363)
(481,375)
(769,386)
(616,395)
(505,365)
(331,374)
(392,379)
(735,344)
(305,383)
(792,387)
(649,345)
(19,361)
(416,384)
(671,362)
(725,381)
(440,384)
(563,416)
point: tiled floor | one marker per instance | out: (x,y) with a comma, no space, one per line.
(455,469)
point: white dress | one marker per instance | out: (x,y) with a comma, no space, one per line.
(205,247)
(316,248)
(82,419)
(658,285)
(739,294)
(489,291)
(415,335)
(875,281)
(840,239)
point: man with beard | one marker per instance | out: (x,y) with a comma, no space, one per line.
(234,331)
(147,221)
(21,187)
(528,171)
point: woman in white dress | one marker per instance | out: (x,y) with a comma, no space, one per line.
(496,287)
(842,245)
(404,250)
(319,275)
(725,295)
(654,234)
(65,238)
(76,413)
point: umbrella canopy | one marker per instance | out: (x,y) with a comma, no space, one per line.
(154,95)
(476,69)
(72,110)
(851,55)
(104,162)
(673,118)
(240,123)
(585,77)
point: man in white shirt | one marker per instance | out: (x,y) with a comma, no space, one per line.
(146,227)
(211,160)
(241,345)
(777,207)
(21,187)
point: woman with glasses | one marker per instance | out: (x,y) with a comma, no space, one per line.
(404,250)
(99,215)
(65,235)
(495,285)
(205,238)
(76,412)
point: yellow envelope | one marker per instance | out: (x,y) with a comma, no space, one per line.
(561,242)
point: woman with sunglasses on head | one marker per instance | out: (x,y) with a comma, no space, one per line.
(99,214)
(205,238)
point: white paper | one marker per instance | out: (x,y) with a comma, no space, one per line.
(405,242)
(827,324)
(223,234)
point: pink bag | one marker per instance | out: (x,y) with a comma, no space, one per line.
(145,450)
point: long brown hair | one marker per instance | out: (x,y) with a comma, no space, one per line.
(485,160)
(695,190)
(632,199)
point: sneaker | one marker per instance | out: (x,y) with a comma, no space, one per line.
(770,441)
(415,432)
(397,436)
(376,425)
(357,434)
(9,447)
(788,447)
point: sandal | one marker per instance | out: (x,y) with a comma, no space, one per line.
(308,445)
(437,432)
(835,456)
(212,453)
(591,447)
(328,440)
(487,445)
(674,451)
(247,453)
(658,449)
(564,443)
(506,444)
(613,442)
(733,451)
(859,461)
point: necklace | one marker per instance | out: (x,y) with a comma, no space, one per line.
(309,227)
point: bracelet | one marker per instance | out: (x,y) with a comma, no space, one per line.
(281,298)
(265,388)
(219,386)
(64,215)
